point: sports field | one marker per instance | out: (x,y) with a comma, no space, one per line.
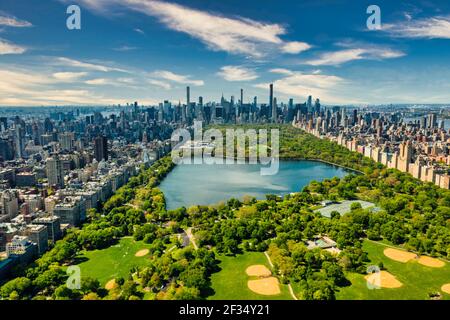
(233,280)
(417,280)
(343,207)
(115,261)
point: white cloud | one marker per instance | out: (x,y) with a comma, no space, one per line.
(97,82)
(237,73)
(160,83)
(139,30)
(11,21)
(7,47)
(26,87)
(117,82)
(125,48)
(346,55)
(428,28)
(62,61)
(295,47)
(69,76)
(281,71)
(178,78)
(300,85)
(236,35)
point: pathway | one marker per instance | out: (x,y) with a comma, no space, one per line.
(191,237)
(291,291)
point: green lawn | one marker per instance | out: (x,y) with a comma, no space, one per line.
(418,280)
(231,282)
(113,262)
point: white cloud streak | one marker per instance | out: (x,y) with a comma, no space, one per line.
(67,62)
(26,87)
(11,21)
(178,78)
(159,83)
(342,56)
(428,28)
(235,35)
(7,47)
(300,85)
(237,73)
(69,76)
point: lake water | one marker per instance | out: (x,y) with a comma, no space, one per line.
(188,185)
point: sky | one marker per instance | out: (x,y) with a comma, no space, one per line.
(150,50)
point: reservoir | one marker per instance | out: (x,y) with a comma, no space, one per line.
(205,184)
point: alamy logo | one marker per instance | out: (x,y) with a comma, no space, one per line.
(241,147)
(374,277)
(73,22)
(374,20)
(74,280)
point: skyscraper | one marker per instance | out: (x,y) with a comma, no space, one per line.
(66,140)
(101,148)
(309,104)
(272,106)
(188,96)
(242,97)
(55,172)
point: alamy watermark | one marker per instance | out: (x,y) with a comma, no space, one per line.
(73,22)
(241,147)
(373,281)
(374,20)
(74,280)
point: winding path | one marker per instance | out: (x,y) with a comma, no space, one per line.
(191,237)
(291,291)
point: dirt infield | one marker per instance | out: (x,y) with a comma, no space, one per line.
(142,253)
(258,270)
(431,262)
(386,280)
(111,284)
(446,288)
(399,255)
(266,286)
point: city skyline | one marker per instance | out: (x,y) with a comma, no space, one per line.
(149,51)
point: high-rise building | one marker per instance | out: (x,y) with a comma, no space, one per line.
(6,150)
(54,170)
(309,104)
(38,234)
(242,97)
(66,140)
(188,96)
(101,148)
(317,106)
(3,123)
(19,141)
(10,204)
(272,106)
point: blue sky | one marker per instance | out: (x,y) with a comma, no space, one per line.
(148,50)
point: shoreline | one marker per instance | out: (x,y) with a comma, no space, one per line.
(291,159)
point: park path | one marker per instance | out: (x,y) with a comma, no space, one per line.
(132,205)
(191,237)
(291,291)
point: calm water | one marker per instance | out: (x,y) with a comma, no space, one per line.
(187,185)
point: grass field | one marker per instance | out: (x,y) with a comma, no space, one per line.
(418,280)
(113,262)
(231,282)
